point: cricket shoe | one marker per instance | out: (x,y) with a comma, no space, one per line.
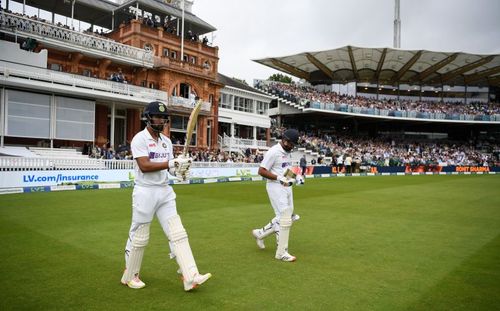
(135,283)
(197,280)
(286,257)
(260,242)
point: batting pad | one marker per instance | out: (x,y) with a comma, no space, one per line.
(139,242)
(284,233)
(181,248)
(268,229)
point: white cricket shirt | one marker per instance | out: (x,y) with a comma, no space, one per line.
(144,145)
(277,160)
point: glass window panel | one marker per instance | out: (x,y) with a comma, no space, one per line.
(177,122)
(74,130)
(28,127)
(28,114)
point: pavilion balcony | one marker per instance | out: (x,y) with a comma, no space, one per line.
(181,103)
(48,80)
(184,67)
(68,40)
(236,144)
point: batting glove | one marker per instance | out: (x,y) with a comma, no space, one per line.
(182,170)
(285,181)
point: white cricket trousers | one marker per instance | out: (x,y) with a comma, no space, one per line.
(281,198)
(146,202)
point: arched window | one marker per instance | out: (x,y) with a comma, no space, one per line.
(185,89)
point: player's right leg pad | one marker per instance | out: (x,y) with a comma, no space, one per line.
(139,243)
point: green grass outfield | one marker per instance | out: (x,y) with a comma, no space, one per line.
(362,243)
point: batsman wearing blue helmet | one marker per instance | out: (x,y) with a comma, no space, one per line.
(152,195)
(276,168)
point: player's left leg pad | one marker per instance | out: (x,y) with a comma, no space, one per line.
(184,255)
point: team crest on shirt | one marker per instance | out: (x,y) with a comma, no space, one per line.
(164,145)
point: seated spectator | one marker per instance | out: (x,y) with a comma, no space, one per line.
(114,77)
(120,77)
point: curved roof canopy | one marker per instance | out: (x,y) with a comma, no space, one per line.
(390,66)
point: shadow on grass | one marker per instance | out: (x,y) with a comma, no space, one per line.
(474,285)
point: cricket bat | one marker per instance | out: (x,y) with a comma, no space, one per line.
(193,118)
(289,174)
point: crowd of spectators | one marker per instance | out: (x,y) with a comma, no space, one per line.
(123,152)
(205,155)
(169,25)
(346,150)
(400,152)
(306,95)
(98,33)
(107,153)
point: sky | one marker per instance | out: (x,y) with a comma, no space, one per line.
(256,29)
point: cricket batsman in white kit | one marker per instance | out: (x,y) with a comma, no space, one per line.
(276,168)
(152,196)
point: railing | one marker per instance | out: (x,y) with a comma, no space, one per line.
(347,108)
(39,163)
(187,103)
(85,83)
(22,25)
(301,103)
(181,65)
(228,141)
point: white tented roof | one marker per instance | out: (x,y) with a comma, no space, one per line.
(390,66)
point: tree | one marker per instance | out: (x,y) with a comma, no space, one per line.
(280,78)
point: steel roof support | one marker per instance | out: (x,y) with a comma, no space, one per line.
(320,65)
(353,63)
(406,67)
(380,64)
(481,74)
(291,69)
(432,69)
(454,73)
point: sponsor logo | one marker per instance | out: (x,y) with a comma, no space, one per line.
(472,169)
(37,189)
(127,184)
(286,164)
(87,186)
(158,155)
(243,172)
(152,145)
(59,178)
